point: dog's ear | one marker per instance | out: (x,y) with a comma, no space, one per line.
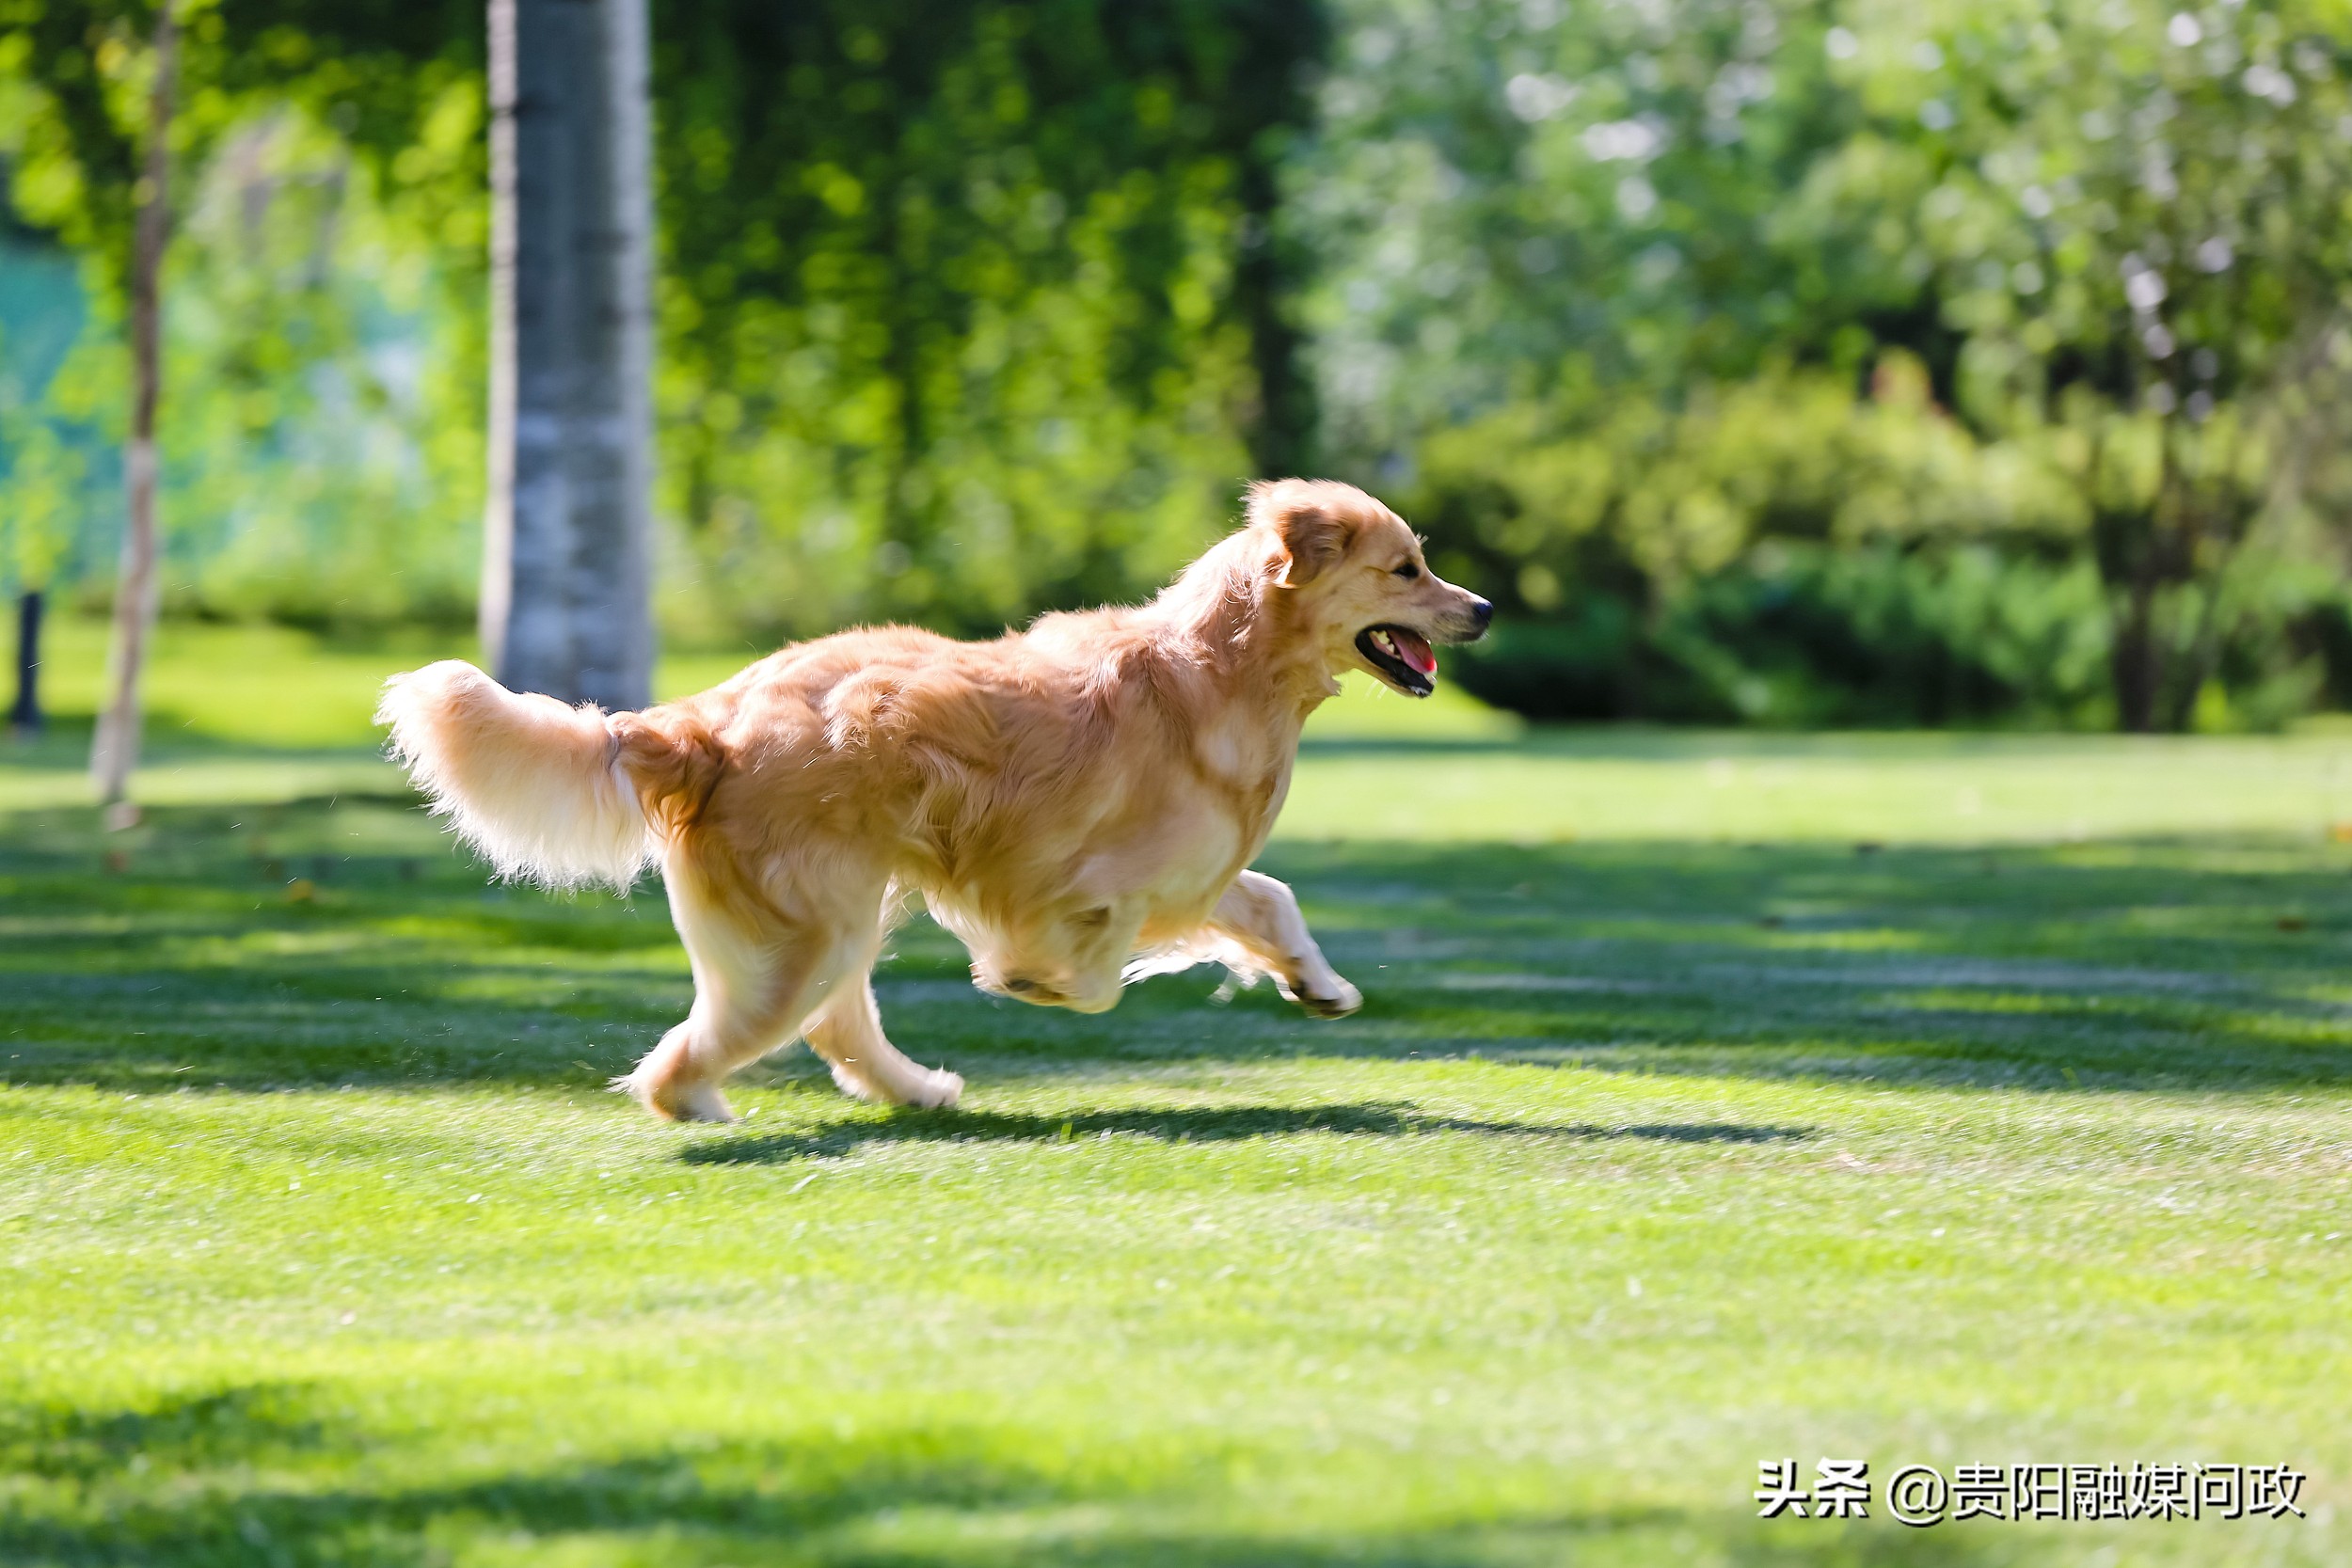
(1314,535)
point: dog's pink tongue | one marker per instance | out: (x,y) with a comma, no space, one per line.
(1415,650)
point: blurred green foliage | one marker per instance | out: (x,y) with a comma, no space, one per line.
(322,359)
(967,310)
(1807,362)
(1788,361)
(46,461)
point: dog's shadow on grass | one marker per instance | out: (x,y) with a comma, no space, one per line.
(1186,1124)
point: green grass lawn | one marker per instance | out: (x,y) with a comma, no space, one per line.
(1716,1099)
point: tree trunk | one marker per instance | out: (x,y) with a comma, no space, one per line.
(25,717)
(137,587)
(567,563)
(2134,662)
(2192,667)
(1282,433)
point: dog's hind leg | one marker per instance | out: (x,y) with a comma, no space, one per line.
(1262,915)
(742,1012)
(760,972)
(848,1035)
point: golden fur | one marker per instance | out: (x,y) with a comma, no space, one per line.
(1077,803)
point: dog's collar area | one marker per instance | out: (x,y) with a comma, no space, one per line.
(1403,657)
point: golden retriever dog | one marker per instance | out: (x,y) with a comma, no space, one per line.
(1078,802)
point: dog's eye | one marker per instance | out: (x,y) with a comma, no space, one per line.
(1408,571)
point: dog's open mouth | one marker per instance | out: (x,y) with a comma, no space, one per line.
(1402,656)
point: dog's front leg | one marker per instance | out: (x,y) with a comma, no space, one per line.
(1261,914)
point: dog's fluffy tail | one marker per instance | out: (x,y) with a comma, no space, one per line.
(537,787)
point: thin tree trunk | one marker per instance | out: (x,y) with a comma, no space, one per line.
(25,717)
(902,531)
(2133,660)
(1282,433)
(2204,656)
(566,600)
(498,521)
(2193,669)
(138,588)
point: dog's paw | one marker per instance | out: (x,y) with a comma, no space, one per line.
(857,1087)
(703,1104)
(934,1090)
(1343,1001)
(940,1089)
(674,1102)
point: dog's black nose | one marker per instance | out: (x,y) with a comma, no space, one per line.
(1484,611)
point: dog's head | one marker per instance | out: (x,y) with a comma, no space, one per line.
(1360,585)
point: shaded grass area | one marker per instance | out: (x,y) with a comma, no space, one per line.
(325,942)
(738,1502)
(320,1244)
